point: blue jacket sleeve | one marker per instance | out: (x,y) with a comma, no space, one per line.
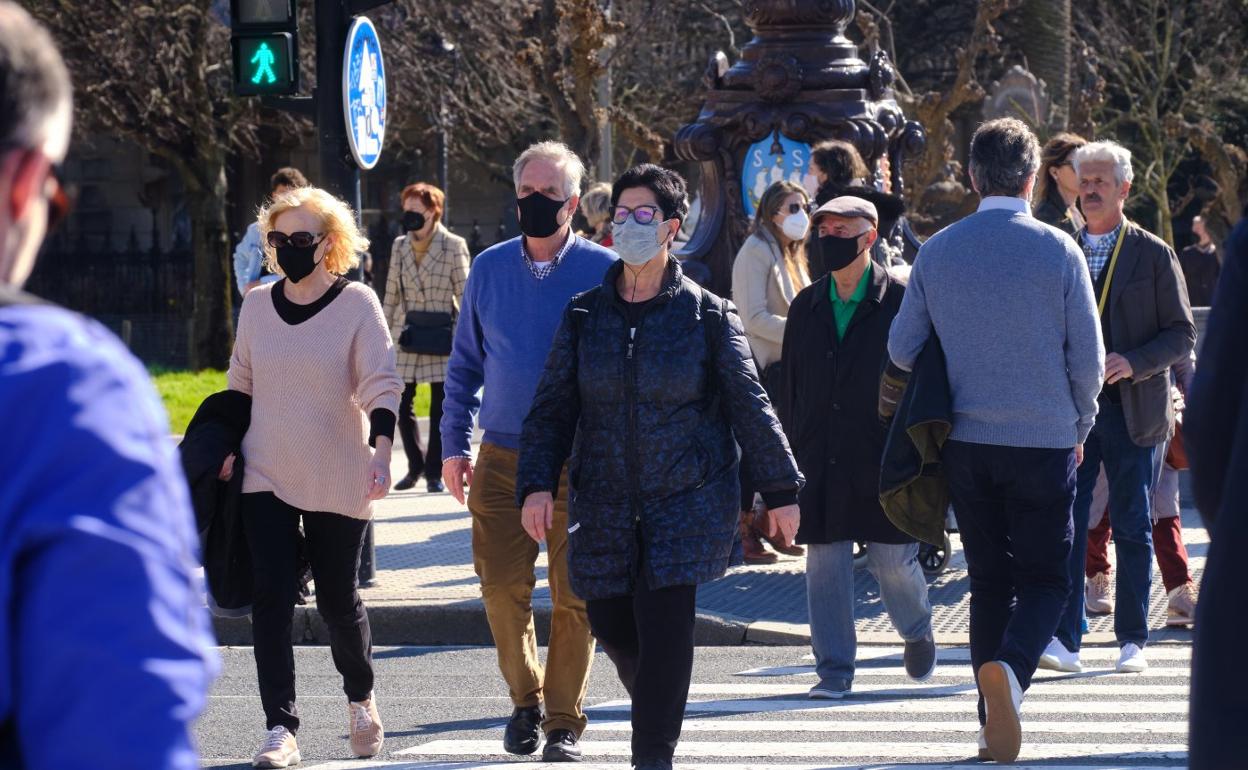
(465,374)
(247,258)
(107,639)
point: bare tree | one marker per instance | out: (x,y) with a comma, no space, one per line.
(1167,65)
(157,73)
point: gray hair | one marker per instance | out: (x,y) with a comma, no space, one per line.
(34,83)
(1004,155)
(561,156)
(1107,152)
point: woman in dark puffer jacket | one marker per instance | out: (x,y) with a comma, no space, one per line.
(648,383)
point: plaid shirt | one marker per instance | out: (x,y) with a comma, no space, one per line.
(1098,252)
(542,271)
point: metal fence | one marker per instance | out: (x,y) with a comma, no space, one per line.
(146,296)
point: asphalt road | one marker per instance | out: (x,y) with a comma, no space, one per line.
(444,708)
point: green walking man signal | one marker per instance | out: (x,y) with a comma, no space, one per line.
(265,69)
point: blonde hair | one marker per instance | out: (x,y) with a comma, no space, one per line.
(336,217)
(596,203)
(794,254)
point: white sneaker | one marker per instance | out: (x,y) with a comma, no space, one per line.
(1057,658)
(1131,660)
(984,754)
(278,750)
(1098,597)
(1003,699)
(367,734)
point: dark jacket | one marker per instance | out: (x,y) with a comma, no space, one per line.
(1151,326)
(1053,212)
(217,430)
(1216,430)
(650,427)
(913,489)
(1200,273)
(832,389)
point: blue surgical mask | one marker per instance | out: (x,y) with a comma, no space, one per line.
(635,243)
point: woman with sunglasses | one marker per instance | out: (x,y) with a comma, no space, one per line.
(1057,185)
(314,353)
(648,388)
(769,271)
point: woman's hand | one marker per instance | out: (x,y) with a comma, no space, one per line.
(227,468)
(782,523)
(379,470)
(538,514)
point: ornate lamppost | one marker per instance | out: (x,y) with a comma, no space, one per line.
(800,81)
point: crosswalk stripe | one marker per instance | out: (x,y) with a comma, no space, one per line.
(964,672)
(769,765)
(927,691)
(970,728)
(912,706)
(1154,653)
(1167,752)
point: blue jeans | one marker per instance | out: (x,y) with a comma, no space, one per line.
(830,599)
(1013,509)
(1132,474)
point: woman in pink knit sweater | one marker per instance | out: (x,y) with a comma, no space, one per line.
(314,353)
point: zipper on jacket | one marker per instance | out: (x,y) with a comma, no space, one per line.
(630,440)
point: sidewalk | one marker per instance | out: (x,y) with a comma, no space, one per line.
(427,593)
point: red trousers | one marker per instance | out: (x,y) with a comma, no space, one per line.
(1167,546)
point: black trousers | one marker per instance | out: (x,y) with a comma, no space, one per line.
(428,463)
(1013,507)
(333,544)
(649,638)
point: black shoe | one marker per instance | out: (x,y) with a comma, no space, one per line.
(920,658)
(653,764)
(435,486)
(561,746)
(524,730)
(405,483)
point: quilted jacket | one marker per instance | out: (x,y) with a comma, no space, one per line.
(649,424)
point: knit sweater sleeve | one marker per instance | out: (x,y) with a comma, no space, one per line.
(239,375)
(377,380)
(1085,350)
(913,325)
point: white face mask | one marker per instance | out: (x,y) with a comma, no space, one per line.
(796,226)
(638,244)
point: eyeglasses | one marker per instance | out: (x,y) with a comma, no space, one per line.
(300,240)
(643,215)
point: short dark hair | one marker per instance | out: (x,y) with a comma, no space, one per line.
(288,177)
(34,83)
(669,188)
(1004,153)
(840,161)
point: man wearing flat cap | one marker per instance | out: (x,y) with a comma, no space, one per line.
(835,346)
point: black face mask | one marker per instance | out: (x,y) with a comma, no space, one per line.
(297,263)
(413,221)
(539,215)
(835,253)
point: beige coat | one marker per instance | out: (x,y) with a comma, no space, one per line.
(435,285)
(762,290)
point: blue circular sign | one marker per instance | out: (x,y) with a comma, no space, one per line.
(763,166)
(364,93)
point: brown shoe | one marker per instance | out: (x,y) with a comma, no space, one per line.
(755,553)
(367,734)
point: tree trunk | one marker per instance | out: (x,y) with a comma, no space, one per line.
(1045,41)
(213,332)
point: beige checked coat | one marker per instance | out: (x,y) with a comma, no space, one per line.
(435,285)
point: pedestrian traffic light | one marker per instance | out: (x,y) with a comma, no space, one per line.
(265,47)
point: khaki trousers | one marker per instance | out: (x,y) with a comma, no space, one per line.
(504,557)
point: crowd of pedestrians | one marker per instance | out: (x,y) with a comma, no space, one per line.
(649,433)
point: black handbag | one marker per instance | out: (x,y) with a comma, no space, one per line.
(426,333)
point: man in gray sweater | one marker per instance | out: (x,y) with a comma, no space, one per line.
(1011,301)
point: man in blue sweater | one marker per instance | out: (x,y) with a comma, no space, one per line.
(105,648)
(1011,301)
(513,302)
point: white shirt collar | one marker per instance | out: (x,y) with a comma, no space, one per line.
(993,202)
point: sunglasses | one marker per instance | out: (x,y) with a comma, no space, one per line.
(795,208)
(643,215)
(300,240)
